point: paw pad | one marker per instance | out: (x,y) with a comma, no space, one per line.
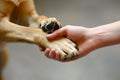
(49,28)
(50,25)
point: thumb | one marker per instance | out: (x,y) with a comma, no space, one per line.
(58,33)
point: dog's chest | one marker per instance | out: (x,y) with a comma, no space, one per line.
(2,5)
(6,6)
(16,2)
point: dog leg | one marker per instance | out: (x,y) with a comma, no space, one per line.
(15,33)
(28,14)
(47,25)
(3,57)
(1,77)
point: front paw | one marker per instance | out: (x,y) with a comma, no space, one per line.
(50,25)
(66,49)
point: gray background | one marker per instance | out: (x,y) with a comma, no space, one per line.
(26,62)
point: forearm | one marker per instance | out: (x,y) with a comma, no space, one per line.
(11,32)
(106,35)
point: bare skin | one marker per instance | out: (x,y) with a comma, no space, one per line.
(86,39)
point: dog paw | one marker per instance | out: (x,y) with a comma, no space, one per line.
(50,25)
(66,49)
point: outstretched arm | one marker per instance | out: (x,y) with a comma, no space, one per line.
(87,39)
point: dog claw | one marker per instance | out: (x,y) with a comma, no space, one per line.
(64,57)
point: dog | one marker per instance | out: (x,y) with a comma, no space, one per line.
(20,22)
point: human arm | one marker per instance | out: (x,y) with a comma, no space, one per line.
(86,39)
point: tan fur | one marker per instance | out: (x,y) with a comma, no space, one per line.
(15,12)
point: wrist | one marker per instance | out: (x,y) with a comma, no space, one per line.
(105,35)
(97,36)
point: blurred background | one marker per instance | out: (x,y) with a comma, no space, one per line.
(26,62)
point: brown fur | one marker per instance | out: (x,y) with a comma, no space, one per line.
(15,12)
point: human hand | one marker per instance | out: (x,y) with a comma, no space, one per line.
(75,33)
(86,39)
(78,35)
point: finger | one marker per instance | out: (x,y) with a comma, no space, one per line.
(58,33)
(47,51)
(57,56)
(42,49)
(52,53)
